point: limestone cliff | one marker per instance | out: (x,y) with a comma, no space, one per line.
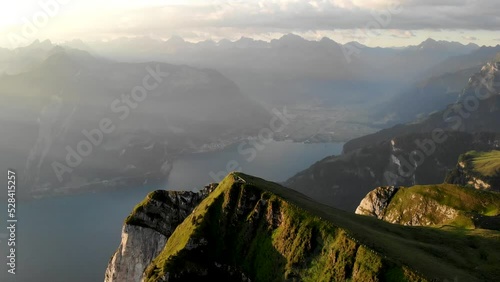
(148,228)
(376,202)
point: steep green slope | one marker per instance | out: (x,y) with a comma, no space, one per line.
(486,163)
(434,205)
(443,204)
(480,170)
(249,228)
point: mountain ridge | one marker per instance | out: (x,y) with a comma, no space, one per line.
(211,241)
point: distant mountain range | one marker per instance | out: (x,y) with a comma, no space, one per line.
(76,122)
(292,68)
(290,55)
(321,76)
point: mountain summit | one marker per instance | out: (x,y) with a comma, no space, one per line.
(452,46)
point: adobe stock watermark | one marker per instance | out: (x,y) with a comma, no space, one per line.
(122,107)
(381,20)
(455,116)
(48,9)
(249,148)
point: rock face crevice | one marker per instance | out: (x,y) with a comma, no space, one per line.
(376,202)
(147,230)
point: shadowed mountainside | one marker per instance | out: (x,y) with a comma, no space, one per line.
(420,152)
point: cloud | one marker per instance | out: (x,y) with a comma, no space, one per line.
(232,18)
(397,33)
(342,14)
(470,38)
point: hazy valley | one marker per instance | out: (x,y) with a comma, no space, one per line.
(172,141)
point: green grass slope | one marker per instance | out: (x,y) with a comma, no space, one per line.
(480,170)
(484,163)
(443,204)
(252,228)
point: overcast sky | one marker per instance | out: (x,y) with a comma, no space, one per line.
(372,22)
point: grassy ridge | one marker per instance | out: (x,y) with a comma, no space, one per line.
(319,243)
(480,170)
(443,204)
(485,163)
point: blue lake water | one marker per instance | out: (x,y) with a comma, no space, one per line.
(71,238)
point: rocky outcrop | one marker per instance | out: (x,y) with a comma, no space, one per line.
(480,170)
(147,230)
(461,175)
(376,202)
(426,205)
(422,212)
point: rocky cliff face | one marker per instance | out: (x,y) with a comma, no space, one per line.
(147,230)
(376,202)
(433,205)
(139,246)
